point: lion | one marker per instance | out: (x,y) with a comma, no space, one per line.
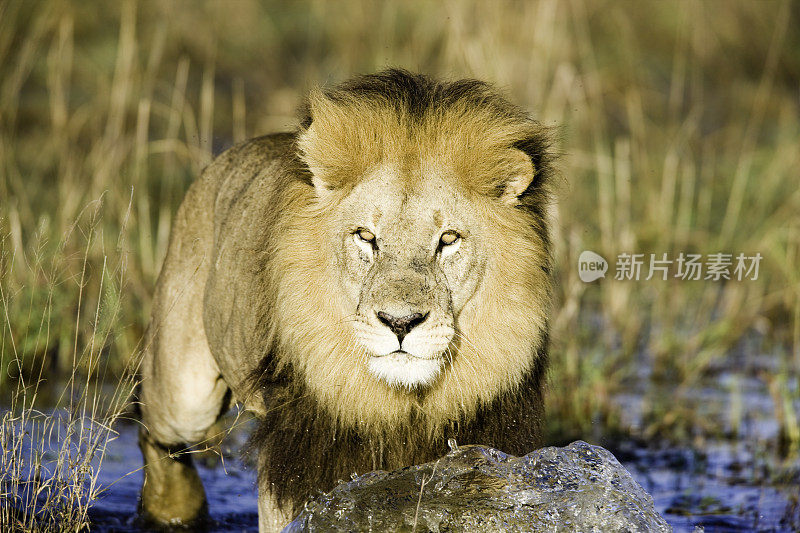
(371,285)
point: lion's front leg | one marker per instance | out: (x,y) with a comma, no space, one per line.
(182,392)
(270,516)
(182,396)
(176,415)
(172,492)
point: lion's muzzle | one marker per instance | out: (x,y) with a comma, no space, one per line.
(405,322)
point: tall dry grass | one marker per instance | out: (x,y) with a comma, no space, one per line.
(678,125)
(55,429)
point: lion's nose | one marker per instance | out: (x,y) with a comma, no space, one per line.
(400,326)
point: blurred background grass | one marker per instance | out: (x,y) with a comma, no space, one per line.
(678,124)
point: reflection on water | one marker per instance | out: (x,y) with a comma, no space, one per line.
(717,489)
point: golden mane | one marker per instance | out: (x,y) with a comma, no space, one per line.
(464,126)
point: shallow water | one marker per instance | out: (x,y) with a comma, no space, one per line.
(688,491)
(724,488)
(739,483)
(723,485)
(229,482)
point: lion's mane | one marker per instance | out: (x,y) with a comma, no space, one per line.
(323,416)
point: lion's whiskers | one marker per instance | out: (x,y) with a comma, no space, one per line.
(454,373)
(351,318)
(464,353)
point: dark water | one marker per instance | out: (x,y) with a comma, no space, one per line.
(728,486)
(739,481)
(723,484)
(229,482)
(721,489)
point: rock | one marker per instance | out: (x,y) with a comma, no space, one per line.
(474,488)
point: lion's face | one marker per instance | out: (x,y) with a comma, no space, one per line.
(410,257)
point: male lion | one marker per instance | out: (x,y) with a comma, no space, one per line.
(371,285)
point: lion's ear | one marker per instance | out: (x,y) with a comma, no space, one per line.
(315,165)
(521,172)
(306,141)
(309,142)
(318,142)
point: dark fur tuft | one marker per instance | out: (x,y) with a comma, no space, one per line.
(302,452)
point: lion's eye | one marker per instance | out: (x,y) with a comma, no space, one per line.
(366,235)
(449,237)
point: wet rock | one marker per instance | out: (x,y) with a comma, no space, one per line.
(474,488)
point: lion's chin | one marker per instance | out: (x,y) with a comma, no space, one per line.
(401,369)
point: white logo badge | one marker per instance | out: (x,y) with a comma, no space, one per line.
(591,266)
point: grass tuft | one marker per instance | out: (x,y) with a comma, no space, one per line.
(55,428)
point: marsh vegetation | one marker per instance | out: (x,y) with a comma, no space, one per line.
(679,129)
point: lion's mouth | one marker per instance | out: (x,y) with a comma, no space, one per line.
(403,369)
(400,353)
